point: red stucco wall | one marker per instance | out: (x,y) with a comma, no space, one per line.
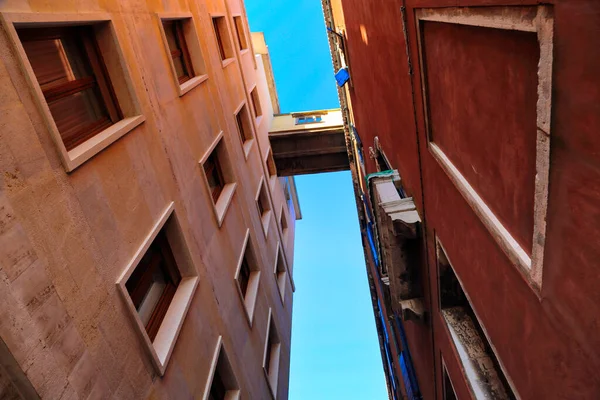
(547,343)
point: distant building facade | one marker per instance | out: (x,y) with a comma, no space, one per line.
(471,129)
(146,240)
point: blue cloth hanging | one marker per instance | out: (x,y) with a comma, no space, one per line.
(342,76)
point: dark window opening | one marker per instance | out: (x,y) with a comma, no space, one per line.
(217,389)
(280,274)
(262,202)
(272,342)
(381,161)
(271,165)
(70,70)
(220,26)
(256,103)
(179,50)
(272,355)
(241,35)
(269,352)
(244,276)
(261,207)
(283,222)
(214,175)
(286,190)
(448,389)
(311,119)
(223,381)
(153,283)
(461,319)
(243,124)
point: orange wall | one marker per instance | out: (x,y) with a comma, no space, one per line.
(66,238)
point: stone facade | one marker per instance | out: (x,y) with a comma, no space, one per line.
(67,237)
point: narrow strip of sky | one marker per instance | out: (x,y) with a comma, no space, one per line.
(296,36)
(335,351)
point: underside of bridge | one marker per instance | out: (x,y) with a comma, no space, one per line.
(308,148)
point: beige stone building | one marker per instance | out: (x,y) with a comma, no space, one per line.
(146,240)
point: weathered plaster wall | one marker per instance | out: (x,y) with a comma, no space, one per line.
(546,341)
(66,238)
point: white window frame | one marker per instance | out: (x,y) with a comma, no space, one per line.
(248,302)
(161,349)
(273,375)
(265,218)
(222,205)
(118,72)
(193,46)
(230,394)
(228,60)
(247,116)
(281,281)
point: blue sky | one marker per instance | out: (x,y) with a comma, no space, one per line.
(335,353)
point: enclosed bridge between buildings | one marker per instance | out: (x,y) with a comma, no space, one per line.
(305,142)
(308,143)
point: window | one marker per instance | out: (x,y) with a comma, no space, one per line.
(264,207)
(243,124)
(280,272)
(468,336)
(381,161)
(256,102)
(272,353)
(222,384)
(271,165)
(214,175)
(310,119)
(286,189)
(219,177)
(78,78)
(448,389)
(217,389)
(153,284)
(183,50)
(180,54)
(158,285)
(244,127)
(221,32)
(247,277)
(74,81)
(283,222)
(241,35)
(244,276)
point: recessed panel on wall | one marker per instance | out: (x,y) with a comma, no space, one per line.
(482,92)
(486,75)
